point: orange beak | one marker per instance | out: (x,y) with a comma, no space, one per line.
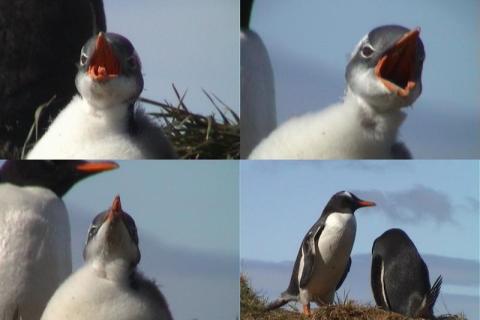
(396,69)
(104,64)
(97,166)
(115,210)
(364,203)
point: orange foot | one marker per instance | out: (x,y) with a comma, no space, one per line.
(306,310)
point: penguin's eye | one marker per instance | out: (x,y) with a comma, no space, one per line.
(93,230)
(366,51)
(83,59)
(132,62)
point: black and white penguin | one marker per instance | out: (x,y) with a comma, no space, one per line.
(35,253)
(109,286)
(323,260)
(40,44)
(399,277)
(257,85)
(102,122)
(383,76)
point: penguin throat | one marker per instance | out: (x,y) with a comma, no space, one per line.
(117,270)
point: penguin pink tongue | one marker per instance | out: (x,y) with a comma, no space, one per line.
(104,65)
(396,68)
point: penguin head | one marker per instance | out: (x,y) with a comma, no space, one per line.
(58,176)
(346,202)
(113,236)
(385,68)
(110,71)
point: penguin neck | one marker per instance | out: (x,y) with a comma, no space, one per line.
(118,270)
(380,124)
(121,115)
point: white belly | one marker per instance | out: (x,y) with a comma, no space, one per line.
(84,295)
(35,254)
(334,248)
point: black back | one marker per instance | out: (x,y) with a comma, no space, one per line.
(406,275)
(41,41)
(58,176)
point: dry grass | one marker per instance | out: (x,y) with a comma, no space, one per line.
(252,308)
(194,136)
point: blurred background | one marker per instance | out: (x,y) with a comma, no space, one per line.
(309,43)
(191,44)
(187,219)
(435,202)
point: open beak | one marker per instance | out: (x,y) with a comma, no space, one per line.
(96,166)
(397,67)
(104,64)
(363,203)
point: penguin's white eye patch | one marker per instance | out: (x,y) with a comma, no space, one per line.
(83,59)
(366,51)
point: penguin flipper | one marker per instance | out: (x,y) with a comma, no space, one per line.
(308,250)
(379,292)
(430,299)
(344,276)
(283,300)
(400,151)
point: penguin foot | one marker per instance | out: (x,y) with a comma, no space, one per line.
(306,310)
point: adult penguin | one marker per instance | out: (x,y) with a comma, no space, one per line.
(257,85)
(35,253)
(399,276)
(323,260)
(41,41)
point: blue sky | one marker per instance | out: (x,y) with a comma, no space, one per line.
(187,218)
(435,202)
(192,44)
(309,43)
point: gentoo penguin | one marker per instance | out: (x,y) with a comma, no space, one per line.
(257,86)
(35,254)
(400,279)
(108,286)
(40,44)
(383,76)
(323,259)
(102,122)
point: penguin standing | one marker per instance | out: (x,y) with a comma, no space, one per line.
(323,260)
(383,76)
(35,253)
(103,123)
(40,44)
(257,86)
(108,286)
(399,277)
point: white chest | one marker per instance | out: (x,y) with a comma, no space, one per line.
(35,254)
(333,250)
(80,132)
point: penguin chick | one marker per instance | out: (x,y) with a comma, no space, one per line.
(323,260)
(383,76)
(102,122)
(35,253)
(109,286)
(399,277)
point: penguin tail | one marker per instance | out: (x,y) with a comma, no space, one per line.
(283,300)
(430,299)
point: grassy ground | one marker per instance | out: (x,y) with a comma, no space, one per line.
(252,308)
